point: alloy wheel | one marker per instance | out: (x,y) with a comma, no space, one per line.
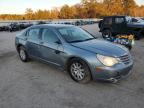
(77,71)
(22,54)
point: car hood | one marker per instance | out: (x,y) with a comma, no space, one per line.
(137,24)
(102,47)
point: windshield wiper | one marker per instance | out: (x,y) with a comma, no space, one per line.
(75,41)
(81,40)
(89,39)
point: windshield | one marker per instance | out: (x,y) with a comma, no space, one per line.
(75,34)
(137,20)
(133,19)
(128,19)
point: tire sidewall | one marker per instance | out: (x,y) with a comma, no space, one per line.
(87,76)
(26,56)
(108,32)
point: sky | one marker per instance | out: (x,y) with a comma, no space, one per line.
(19,6)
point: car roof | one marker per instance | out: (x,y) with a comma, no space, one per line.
(52,25)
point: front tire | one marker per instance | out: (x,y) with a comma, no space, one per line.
(139,35)
(23,54)
(106,34)
(79,71)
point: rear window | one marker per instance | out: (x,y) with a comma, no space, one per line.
(119,20)
(23,33)
(34,33)
(108,21)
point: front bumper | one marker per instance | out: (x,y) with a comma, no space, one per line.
(117,72)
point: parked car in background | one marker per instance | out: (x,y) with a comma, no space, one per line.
(113,25)
(0,27)
(76,51)
(79,23)
(24,25)
(4,26)
(14,27)
(69,23)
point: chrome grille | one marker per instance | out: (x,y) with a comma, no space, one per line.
(125,59)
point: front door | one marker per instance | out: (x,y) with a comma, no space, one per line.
(51,47)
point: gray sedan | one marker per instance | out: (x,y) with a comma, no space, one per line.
(73,49)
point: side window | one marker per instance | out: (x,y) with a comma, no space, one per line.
(49,36)
(23,33)
(134,20)
(108,21)
(119,20)
(33,33)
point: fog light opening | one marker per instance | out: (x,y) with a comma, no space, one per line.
(113,80)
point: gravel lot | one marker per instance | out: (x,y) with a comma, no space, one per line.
(38,85)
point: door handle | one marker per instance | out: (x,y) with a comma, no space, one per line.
(25,39)
(41,42)
(57,51)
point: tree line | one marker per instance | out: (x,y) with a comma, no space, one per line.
(84,9)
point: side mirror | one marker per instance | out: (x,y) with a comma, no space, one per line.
(58,42)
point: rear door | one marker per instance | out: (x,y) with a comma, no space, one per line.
(33,39)
(119,25)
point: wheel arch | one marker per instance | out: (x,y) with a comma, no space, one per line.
(76,57)
(141,30)
(18,46)
(106,29)
(138,32)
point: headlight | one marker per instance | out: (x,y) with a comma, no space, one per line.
(107,61)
